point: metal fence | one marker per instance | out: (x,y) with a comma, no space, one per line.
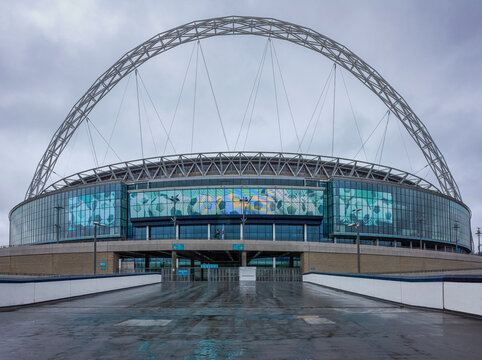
(228,274)
(278,274)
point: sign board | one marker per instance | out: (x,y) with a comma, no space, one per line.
(209,266)
(247,273)
(177,246)
(238,247)
(182,272)
(102,265)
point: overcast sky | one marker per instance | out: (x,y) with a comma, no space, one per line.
(52,51)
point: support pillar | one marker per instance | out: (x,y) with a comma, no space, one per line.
(305,232)
(274,232)
(147,263)
(174,266)
(244,259)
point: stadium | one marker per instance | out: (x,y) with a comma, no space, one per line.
(239,208)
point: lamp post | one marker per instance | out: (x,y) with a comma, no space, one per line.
(96,223)
(57,225)
(456,228)
(420,228)
(357,225)
(243,200)
(175,200)
(478,233)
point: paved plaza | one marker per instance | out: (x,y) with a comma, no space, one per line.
(221,320)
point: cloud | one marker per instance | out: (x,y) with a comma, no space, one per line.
(52,51)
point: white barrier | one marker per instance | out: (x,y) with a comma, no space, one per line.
(436,293)
(21,292)
(464,297)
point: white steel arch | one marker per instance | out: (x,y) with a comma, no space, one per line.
(240,25)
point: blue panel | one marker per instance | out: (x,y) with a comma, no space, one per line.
(177,246)
(238,247)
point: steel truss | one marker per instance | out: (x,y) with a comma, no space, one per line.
(240,164)
(239,25)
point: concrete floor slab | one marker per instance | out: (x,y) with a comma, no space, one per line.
(227,321)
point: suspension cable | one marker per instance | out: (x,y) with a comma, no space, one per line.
(275,95)
(116,118)
(251,94)
(148,121)
(354,116)
(404,146)
(382,143)
(214,96)
(91,141)
(369,136)
(255,95)
(286,95)
(179,100)
(103,138)
(316,107)
(318,120)
(157,113)
(334,103)
(194,98)
(139,115)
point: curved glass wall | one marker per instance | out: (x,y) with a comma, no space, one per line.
(70,215)
(387,214)
(226,201)
(390,211)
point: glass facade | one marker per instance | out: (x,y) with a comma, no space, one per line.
(226,201)
(389,215)
(394,212)
(70,215)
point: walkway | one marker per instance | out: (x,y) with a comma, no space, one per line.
(263,320)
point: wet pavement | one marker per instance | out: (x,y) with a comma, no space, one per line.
(264,320)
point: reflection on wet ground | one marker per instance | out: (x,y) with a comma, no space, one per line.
(290,320)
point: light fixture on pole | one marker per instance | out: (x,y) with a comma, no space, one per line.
(96,223)
(478,233)
(357,225)
(175,200)
(244,200)
(57,225)
(420,228)
(456,228)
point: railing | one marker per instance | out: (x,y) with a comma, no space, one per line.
(228,274)
(278,274)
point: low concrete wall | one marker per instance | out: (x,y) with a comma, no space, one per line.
(457,292)
(29,291)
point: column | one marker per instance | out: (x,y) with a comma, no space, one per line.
(147,262)
(305,233)
(148,236)
(244,258)
(209,231)
(241,231)
(274,232)
(177,232)
(174,266)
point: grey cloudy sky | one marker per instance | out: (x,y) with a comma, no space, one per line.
(52,51)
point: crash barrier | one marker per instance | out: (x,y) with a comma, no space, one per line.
(461,293)
(34,290)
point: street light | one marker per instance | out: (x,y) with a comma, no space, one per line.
(420,228)
(175,200)
(478,233)
(243,200)
(57,225)
(96,223)
(456,228)
(357,224)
